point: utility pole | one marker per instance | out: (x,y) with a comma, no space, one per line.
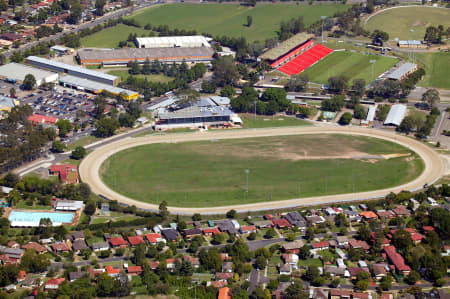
(246,184)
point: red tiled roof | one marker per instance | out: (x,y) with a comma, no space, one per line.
(355,270)
(428,228)
(35,246)
(360,296)
(111,270)
(118,241)
(154,264)
(358,244)
(60,247)
(224,293)
(22,275)
(396,258)
(135,240)
(280,222)
(223,275)
(368,214)
(43,119)
(67,173)
(320,244)
(248,228)
(213,231)
(134,269)
(401,210)
(219,284)
(55,281)
(153,238)
(337,292)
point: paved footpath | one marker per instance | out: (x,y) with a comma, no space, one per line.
(90,166)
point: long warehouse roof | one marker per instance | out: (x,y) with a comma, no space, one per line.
(142,53)
(71,68)
(402,70)
(19,71)
(92,85)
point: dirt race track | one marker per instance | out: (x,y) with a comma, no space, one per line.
(90,166)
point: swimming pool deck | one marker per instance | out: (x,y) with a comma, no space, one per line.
(75,219)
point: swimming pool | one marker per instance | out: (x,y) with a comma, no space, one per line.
(35,217)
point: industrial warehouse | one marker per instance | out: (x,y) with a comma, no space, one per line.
(72,70)
(112,57)
(15,73)
(173,41)
(96,88)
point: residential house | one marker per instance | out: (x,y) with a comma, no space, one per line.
(75,235)
(192,232)
(330,211)
(293,247)
(383,214)
(112,272)
(13,244)
(320,294)
(224,293)
(118,242)
(76,275)
(335,271)
(134,270)
(281,223)
(226,226)
(136,240)
(35,246)
(170,234)
(340,294)
(356,244)
(209,232)
(54,283)
(79,245)
(227,267)
(68,174)
(361,296)
(247,229)
(256,278)
(432,202)
(355,270)
(60,247)
(353,216)
(218,284)
(379,270)
(29,282)
(223,276)
(154,238)
(236,224)
(295,219)
(401,211)
(290,259)
(12,253)
(321,245)
(263,224)
(368,215)
(340,263)
(342,241)
(315,219)
(285,269)
(415,204)
(397,260)
(100,246)
(195,261)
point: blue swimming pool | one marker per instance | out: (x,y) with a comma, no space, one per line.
(28,216)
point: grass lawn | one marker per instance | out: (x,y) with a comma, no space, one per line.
(351,64)
(83,141)
(437,68)
(399,21)
(310,262)
(23,205)
(263,121)
(231,19)
(206,173)
(70,161)
(123,74)
(110,37)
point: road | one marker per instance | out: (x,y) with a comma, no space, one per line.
(90,166)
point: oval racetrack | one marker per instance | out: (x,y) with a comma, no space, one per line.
(90,166)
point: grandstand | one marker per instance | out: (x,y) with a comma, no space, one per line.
(295,54)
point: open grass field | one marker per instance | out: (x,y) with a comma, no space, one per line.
(351,64)
(123,74)
(230,19)
(399,21)
(211,173)
(263,121)
(110,37)
(437,67)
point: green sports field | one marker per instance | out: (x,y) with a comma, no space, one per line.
(399,21)
(123,74)
(437,68)
(230,19)
(211,173)
(351,64)
(110,37)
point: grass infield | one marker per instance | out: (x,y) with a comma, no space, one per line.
(351,64)
(399,21)
(212,173)
(110,37)
(437,68)
(231,19)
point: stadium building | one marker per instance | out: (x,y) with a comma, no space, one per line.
(173,41)
(195,116)
(112,57)
(96,88)
(403,71)
(16,73)
(72,70)
(295,54)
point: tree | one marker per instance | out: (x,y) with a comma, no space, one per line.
(345,119)
(359,86)
(359,112)
(298,83)
(99,4)
(231,214)
(362,285)
(407,125)
(364,232)
(402,240)
(90,208)
(225,71)
(334,104)
(433,35)
(208,87)
(337,84)
(261,262)
(163,211)
(29,82)
(296,291)
(386,282)
(270,233)
(106,127)
(75,13)
(413,277)
(33,262)
(249,21)
(58,146)
(64,127)
(312,272)
(431,97)
(227,91)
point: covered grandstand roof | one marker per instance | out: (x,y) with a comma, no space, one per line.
(404,69)
(127,54)
(194,112)
(395,115)
(95,86)
(173,41)
(286,45)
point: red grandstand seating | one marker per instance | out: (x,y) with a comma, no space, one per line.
(305,60)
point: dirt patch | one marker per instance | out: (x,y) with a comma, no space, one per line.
(391,156)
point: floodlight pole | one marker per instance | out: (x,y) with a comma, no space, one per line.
(412,49)
(323,18)
(246,184)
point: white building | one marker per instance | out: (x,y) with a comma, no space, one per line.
(194,41)
(396,115)
(68,205)
(16,72)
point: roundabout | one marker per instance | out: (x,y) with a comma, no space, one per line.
(116,154)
